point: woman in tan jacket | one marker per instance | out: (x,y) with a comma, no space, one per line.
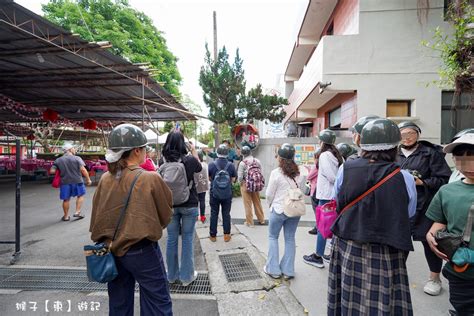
(137,254)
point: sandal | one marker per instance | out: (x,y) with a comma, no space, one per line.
(65,219)
(78,215)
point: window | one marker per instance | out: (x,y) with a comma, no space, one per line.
(335,118)
(398,108)
(455,120)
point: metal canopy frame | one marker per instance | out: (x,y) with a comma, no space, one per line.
(45,66)
(16,254)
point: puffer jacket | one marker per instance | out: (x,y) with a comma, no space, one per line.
(428,161)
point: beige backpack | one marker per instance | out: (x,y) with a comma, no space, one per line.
(293,205)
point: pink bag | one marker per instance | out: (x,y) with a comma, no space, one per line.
(325,216)
(57,179)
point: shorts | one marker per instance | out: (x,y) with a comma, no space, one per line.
(68,190)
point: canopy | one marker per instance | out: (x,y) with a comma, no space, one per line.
(44,67)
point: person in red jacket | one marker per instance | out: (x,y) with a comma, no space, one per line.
(149,165)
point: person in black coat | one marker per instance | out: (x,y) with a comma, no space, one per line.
(425,161)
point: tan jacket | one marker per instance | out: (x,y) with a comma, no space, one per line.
(148,212)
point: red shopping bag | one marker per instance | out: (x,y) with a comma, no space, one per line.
(326,216)
(57,179)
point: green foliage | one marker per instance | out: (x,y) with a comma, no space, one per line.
(455,49)
(224,88)
(236,189)
(131,33)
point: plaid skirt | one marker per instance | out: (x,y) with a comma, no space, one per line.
(368,279)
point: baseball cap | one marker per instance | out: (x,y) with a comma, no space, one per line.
(465,139)
(68,146)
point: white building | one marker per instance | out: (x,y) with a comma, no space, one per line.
(352,58)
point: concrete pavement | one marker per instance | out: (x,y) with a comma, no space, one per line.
(48,242)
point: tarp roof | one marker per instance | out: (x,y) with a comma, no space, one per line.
(45,66)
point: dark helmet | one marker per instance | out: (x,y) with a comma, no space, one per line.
(359,125)
(286,151)
(200,155)
(463,132)
(345,150)
(126,137)
(222,151)
(246,151)
(380,134)
(408,124)
(327,136)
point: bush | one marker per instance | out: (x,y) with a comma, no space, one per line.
(236,189)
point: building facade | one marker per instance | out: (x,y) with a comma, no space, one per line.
(353,58)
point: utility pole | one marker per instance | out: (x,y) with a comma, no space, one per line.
(216,125)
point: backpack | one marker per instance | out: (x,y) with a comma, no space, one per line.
(221,187)
(293,204)
(174,175)
(254,180)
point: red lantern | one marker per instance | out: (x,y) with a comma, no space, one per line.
(90,124)
(50,115)
(31,137)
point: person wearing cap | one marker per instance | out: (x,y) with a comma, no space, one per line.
(372,237)
(232,154)
(249,198)
(456,175)
(426,162)
(449,209)
(282,179)
(329,161)
(72,169)
(224,204)
(356,129)
(137,254)
(346,150)
(149,165)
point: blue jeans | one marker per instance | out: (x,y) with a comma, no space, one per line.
(215,205)
(146,266)
(320,241)
(186,218)
(287,263)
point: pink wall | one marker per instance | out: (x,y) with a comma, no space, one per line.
(345,18)
(349,112)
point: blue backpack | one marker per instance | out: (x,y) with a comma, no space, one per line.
(221,187)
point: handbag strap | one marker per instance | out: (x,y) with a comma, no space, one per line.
(468,229)
(363,195)
(122,212)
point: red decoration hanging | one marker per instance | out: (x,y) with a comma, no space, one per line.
(90,124)
(50,115)
(31,137)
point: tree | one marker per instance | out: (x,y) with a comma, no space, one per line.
(131,33)
(456,49)
(224,88)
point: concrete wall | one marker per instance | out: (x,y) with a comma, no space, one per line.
(387,61)
(384,61)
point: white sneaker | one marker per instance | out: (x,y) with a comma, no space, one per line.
(432,287)
(195,275)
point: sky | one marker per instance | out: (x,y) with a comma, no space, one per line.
(263,30)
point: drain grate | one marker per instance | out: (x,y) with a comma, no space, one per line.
(77,281)
(239,267)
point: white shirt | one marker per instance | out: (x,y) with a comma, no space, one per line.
(328,166)
(277,189)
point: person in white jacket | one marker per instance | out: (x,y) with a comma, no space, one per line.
(282,179)
(329,162)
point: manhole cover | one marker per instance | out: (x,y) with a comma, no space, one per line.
(77,281)
(239,267)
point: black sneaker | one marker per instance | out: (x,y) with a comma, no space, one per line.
(313,231)
(314,260)
(327,258)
